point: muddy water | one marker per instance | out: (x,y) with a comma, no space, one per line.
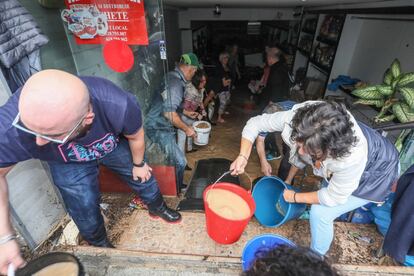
(59,269)
(227,204)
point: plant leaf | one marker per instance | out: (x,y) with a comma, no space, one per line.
(385,90)
(406,79)
(400,110)
(384,109)
(385,119)
(388,77)
(368,93)
(377,103)
(408,94)
(396,68)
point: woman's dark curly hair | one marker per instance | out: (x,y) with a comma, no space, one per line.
(198,76)
(290,261)
(324,127)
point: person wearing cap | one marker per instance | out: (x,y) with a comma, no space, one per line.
(75,124)
(173,107)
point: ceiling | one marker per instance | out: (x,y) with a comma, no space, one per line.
(262,3)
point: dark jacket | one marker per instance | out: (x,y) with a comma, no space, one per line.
(277,87)
(19,33)
(399,240)
(219,75)
(381,170)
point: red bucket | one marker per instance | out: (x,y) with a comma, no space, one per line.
(224,230)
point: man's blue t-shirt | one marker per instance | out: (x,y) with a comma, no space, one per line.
(116,112)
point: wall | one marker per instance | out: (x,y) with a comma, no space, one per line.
(206,14)
(379,42)
(346,47)
(173,41)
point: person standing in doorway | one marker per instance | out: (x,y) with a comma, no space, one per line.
(277,86)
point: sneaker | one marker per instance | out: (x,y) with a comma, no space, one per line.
(272,156)
(136,203)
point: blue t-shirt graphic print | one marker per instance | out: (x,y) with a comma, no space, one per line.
(74,152)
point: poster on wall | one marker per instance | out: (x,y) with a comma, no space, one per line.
(98,22)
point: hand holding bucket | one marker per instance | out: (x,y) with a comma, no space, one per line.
(272,210)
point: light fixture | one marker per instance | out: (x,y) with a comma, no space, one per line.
(217,10)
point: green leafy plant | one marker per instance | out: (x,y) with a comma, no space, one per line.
(393,96)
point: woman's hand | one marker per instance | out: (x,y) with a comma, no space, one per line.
(289,196)
(238,165)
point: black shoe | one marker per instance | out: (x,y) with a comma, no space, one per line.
(187,168)
(106,244)
(166,213)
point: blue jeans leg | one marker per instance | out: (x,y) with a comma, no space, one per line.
(78,185)
(321,222)
(120,162)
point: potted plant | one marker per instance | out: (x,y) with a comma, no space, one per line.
(393,96)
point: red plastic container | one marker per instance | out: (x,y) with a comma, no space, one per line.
(223,230)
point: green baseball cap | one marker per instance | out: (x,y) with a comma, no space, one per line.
(190,59)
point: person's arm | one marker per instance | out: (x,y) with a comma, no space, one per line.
(9,250)
(294,197)
(263,123)
(175,119)
(208,98)
(292,173)
(266,168)
(238,165)
(141,170)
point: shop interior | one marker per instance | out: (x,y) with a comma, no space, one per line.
(331,48)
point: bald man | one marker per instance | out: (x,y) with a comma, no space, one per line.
(75,124)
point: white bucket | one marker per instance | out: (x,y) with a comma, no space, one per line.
(202,133)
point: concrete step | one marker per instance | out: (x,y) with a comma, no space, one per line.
(103,262)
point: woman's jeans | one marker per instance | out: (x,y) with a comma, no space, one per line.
(79,187)
(322,219)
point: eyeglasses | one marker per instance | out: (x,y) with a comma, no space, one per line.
(17,124)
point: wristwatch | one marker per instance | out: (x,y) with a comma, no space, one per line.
(140,165)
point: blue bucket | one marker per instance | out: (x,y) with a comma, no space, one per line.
(261,244)
(271,208)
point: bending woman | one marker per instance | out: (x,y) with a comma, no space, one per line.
(357,163)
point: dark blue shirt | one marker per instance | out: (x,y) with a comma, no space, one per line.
(116,112)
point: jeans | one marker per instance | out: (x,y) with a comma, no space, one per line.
(322,219)
(181,136)
(79,187)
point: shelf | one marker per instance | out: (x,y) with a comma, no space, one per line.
(326,40)
(303,52)
(309,32)
(321,68)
